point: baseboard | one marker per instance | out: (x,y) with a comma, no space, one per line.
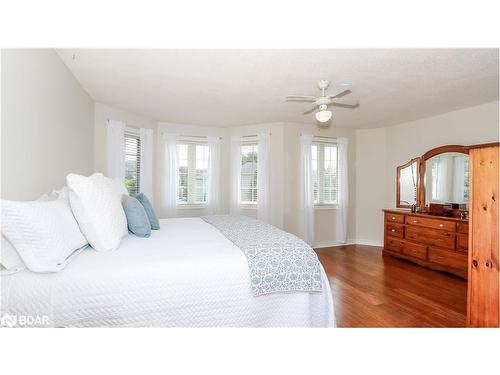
(370,242)
(320,244)
(352,241)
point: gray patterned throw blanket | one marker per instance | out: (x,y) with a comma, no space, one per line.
(278,261)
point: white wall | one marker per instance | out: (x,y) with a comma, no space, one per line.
(381,150)
(47,124)
(371,184)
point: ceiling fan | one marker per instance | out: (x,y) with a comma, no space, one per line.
(325,100)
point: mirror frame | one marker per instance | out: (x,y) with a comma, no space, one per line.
(398,185)
(429,154)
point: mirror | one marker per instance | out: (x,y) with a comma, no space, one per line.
(439,176)
(447,178)
(407,183)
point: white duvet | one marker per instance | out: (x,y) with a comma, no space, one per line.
(185,275)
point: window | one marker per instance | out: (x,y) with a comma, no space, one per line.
(192,173)
(132,162)
(325,166)
(248,176)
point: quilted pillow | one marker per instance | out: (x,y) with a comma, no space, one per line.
(153,220)
(44,233)
(97,208)
(137,219)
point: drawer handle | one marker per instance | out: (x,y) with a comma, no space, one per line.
(441,225)
(393,218)
(415,221)
(393,230)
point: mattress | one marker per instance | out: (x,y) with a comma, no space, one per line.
(187,274)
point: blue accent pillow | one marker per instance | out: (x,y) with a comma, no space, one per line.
(153,219)
(137,219)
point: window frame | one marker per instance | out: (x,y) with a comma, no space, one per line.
(191,177)
(242,203)
(133,133)
(320,204)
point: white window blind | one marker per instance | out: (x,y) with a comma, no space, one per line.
(132,162)
(248,176)
(193,173)
(325,167)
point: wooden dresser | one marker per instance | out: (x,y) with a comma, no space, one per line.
(440,243)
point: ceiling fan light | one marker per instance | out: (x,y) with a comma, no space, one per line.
(323,116)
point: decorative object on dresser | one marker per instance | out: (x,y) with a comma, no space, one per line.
(483,288)
(439,209)
(439,243)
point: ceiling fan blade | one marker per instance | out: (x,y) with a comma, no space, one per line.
(310,110)
(345,101)
(301,98)
(337,90)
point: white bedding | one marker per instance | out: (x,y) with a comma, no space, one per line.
(185,275)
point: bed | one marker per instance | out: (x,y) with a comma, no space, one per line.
(187,274)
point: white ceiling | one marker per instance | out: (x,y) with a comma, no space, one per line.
(238,87)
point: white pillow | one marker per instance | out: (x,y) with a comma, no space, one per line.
(9,258)
(97,208)
(44,233)
(10,261)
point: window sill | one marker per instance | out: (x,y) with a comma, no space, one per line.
(326,207)
(248,206)
(200,206)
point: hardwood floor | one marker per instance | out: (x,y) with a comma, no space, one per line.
(371,290)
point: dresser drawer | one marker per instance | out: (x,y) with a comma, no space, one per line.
(463,228)
(394,244)
(448,258)
(431,223)
(431,237)
(415,250)
(395,230)
(462,242)
(394,218)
